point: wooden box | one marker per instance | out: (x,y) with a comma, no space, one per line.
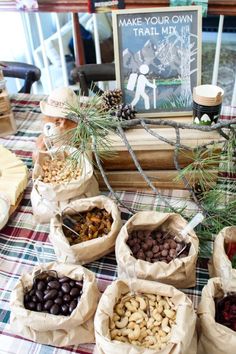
(155,157)
(7,121)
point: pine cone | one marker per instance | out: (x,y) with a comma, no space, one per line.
(198,190)
(111,98)
(125,112)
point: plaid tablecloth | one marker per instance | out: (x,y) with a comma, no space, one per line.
(17,239)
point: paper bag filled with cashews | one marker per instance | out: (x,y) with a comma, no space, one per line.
(150,246)
(144,317)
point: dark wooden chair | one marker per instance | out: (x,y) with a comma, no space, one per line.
(87,75)
(29,73)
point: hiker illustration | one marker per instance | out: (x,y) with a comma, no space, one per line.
(142,82)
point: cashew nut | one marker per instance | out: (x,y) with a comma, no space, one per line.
(169,313)
(151,340)
(136,316)
(164,304)
(156,315)
(155,329)
(115,317)
(121,339)
(122,323)
(166,338)
(134,303)
(164,325)
(127,313)
(142,302)
(143,334)
(131,325)
(151,297)
(115,332)
(119,309)
(150,322)
(134,333)
(159,308)
(152,303)
(164,322)
(130,307)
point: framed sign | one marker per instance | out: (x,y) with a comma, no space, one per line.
(158,58)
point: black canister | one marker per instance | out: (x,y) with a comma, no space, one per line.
(205,115)
(207,101)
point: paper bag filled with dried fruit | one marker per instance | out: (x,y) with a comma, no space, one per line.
(148,317)
(224,251)
(217,318)
(55,305)
(86,230)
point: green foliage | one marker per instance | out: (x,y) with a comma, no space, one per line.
(203,168)
(218,202)
(176,101)
(93,128)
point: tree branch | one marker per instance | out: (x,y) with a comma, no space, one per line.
(178,168)
(115,196)
(139,168)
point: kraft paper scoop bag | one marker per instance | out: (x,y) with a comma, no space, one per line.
(48,197)
(214,338)
(183,338)
(220,259)
(90,250)
(180,272)
(51,329)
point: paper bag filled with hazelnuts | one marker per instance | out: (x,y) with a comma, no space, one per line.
(144,317)
(86,230)
(57,180)
(150,246)
(55,305)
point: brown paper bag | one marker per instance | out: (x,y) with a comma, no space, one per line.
(183,339)
(180,272)
(44,209)
(219,259)
(47,198)
(51,329)
(87,251)
(62,191)
(214,338)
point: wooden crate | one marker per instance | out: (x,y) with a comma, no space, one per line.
(7,121)
(154,156)
(7,124)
